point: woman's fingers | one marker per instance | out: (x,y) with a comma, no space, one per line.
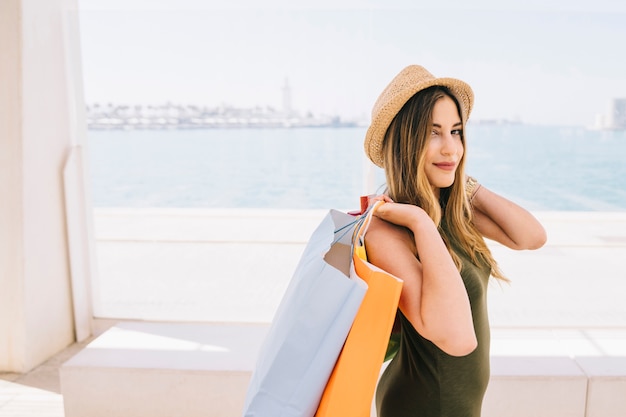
(381,197)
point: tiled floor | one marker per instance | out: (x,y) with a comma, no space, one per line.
(37,393)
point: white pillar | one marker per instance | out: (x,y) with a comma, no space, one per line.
(36,133)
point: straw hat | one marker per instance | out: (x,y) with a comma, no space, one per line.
(405,85)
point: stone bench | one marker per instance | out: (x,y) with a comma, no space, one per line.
(162,370)
(556,386)
(181,369)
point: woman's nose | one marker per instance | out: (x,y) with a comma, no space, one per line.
(448,146)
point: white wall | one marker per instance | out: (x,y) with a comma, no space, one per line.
(36,319)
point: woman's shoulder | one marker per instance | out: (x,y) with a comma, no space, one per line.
(382,233)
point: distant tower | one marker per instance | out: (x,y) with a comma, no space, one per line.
(287,98)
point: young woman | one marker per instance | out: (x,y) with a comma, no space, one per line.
(430,233)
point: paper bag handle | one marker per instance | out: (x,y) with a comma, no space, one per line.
(358,240)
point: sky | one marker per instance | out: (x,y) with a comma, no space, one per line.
(540,62)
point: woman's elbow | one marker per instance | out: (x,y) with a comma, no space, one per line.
(537,239)
(531,240)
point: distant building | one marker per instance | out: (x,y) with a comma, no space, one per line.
(176,116)
(615,119)
(618,113)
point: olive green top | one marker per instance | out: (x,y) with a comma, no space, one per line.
(424,381)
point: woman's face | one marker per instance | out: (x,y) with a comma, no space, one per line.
(445,146)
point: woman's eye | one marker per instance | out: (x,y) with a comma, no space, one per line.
(434,132)
(457,132)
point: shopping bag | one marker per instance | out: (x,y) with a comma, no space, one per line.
(310,326)
(350,389)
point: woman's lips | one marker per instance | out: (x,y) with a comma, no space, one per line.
(446,166)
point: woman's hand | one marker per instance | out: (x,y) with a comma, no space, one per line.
(381,197)
(405,215)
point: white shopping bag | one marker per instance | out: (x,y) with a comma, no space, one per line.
(310,326)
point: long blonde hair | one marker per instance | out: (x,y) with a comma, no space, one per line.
(404,153)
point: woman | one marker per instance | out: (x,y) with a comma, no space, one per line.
(430,233)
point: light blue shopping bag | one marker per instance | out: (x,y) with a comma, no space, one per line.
(310,326)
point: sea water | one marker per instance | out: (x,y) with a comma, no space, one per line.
(540,167)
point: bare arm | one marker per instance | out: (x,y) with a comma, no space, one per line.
(505,222)
(433,296)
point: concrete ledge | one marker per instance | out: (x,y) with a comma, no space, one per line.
(606,395)
(162,370)
(183,369)
(535,386)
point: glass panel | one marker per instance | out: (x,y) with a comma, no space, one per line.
(221,133)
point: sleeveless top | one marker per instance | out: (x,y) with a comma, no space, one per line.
(424,381)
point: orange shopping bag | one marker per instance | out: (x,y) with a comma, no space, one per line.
(351,386)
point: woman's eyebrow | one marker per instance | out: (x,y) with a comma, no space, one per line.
(454,125)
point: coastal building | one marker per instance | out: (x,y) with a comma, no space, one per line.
(615,118)
(176,116)
(188,116)
(618,113)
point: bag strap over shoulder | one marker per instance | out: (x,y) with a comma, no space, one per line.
(358,239)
